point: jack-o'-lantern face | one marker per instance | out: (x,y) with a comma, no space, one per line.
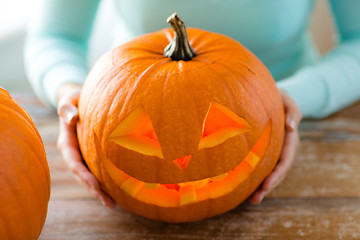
(179,140)
(136,133)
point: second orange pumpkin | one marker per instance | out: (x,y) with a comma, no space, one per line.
(24,174)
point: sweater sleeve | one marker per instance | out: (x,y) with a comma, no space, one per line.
(333,82)
(56,45)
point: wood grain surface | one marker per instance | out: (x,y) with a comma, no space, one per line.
(319,199)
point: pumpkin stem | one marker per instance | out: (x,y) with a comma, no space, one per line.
(179,48)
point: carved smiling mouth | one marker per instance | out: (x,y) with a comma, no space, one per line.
(181,194)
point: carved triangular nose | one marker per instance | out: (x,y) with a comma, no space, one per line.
(183,162)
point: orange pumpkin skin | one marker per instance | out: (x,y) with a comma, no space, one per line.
(176,96)
(24,174)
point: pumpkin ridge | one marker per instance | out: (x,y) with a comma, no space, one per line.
(35,154)
(150,53)
(40,201)
(245,86)
(164,61)
(115,72)
(20,203)
(4,224)
(190,70)
(26,117)
(220,50)
(17,134)
(107,110)
(139,82)
(148,38)
(123,66)
(227,85)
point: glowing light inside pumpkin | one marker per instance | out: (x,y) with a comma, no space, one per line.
(136,133)
(221,124)
(175,195)
(183,162)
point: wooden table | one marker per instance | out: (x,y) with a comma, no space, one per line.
(319,199)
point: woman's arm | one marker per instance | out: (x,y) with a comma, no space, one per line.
(56,62)
(334,82)
(57,44)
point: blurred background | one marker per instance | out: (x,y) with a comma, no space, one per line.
(16,14)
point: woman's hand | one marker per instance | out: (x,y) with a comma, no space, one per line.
(291,142)
(68,96)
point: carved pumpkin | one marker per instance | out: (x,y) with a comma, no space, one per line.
(24,174)
(181,136)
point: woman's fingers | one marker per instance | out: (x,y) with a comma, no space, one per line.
(68,146)
(92,185)
(68,143)
(69,113)
(293,113)
(68,100)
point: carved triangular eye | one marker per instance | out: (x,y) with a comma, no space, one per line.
(136,133)
(221,124)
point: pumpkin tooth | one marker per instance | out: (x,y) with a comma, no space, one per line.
(172,186)
(195,184)
(252,159)
(162,196)
(132,186)
(219,177)
(203,193)
(187,195)
(152,185)
(118,176)
(218,189)
(202,183)
(238,177)
(167,197)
